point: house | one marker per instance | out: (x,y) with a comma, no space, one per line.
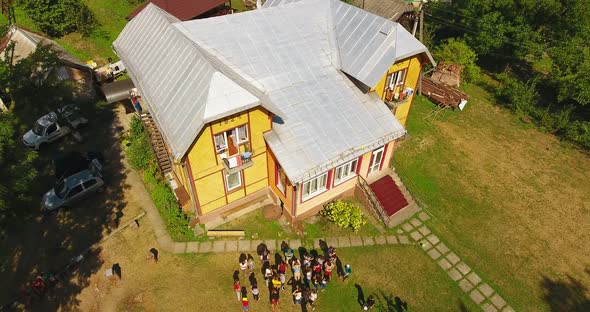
(186,10)
(291,102)
(71,69)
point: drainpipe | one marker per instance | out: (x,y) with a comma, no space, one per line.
(294,202)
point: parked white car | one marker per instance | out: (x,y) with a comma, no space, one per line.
(74,187)
(48,129)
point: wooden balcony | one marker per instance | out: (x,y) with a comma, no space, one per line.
(392,101)
(237,163)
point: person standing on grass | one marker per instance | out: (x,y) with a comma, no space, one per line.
(267,273)
(237,289)
(321,260)
(282,269)
(313,296)
(308,275)
(297,295)
(296,266)
(324,282)
(245,304)
(244,266)
(265,257)
(276,282)
(255,292)
(274,299)
(328,268)
(317,281)
(289,254)
(369,304)
(251,266)
(317,268)
(347,272)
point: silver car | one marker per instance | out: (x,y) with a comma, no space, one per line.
(75,187)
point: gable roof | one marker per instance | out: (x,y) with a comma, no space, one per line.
(290,58)
(26,42)
(389,9)
(184,10)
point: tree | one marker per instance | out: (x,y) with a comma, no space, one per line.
(61,17)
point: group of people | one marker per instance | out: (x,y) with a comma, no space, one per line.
(310,274)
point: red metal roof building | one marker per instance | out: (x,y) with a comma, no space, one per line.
(186,10)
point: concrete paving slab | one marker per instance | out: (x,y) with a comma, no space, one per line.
(295,244)
(332,241)
(416,235)
(392,240)
(403,239)
(473,278)
(271,244)
(218,246)
(424,244)
(254,244)
(463,268)
(244,245)
(476,296)
(498,301)
(485,289)
(434,254)
(399,231)
(454,274)
(453,258)
(416,222)
(424,230)
(380,240)
(368,241)
(465,285)
(344,241)
(407,227)
(192,247)
(433,239)
(205,247)
(423,216)
(442,248)
(356,241)
(488,307)
(231,246)
(179,248)
(444,264)
(508,309)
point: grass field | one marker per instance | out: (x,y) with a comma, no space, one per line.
(204,282)
(513,201)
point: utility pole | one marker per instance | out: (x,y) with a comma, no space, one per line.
(421,38)
(8,11)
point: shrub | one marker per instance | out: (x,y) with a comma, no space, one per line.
(61,17)
(579,132)
(518,96)
(344,214)
(139,151)
(456,51)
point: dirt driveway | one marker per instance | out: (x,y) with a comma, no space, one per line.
(48,244)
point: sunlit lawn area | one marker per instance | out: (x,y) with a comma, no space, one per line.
(513,201)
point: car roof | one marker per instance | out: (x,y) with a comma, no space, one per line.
(47,119)
(78,178)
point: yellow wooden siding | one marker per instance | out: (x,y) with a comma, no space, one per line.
(380,87)
(210,189)
(286,198)
(402,111)
(209,173)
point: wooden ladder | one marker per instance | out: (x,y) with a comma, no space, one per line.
(157,143)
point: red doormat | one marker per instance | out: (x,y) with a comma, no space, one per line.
(389,195)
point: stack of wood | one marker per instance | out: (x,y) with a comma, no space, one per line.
(441,94)
(447,74)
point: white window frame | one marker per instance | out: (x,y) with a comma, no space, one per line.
(348,175)
(318,190)
(282,187)
(372,164)
(239,141)
(397,78)
(239,173)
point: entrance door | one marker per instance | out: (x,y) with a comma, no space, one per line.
(376,160)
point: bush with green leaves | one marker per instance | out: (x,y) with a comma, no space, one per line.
(60,17)
(139,151)
(579,132)
(456,51)
(345,214)
(521,97)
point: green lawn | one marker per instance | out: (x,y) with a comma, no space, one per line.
(514,202)
(256,226)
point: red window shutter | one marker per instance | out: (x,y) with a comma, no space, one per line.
(329,181)
(383,157)
(358,164)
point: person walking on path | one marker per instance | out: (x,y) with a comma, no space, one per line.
(274,299)
(297,295)
(296,266)
(328,268)
(347,272)
(251,264)
(238,289)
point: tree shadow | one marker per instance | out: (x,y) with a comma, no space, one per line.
(65,245)
(391,303)
(566,295)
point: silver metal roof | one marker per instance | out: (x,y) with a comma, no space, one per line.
(288,57)
(117,90)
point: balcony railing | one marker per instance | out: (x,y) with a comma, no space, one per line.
(393,100)
(238,162)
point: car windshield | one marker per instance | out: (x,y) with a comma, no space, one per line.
(38,129)
(61,189)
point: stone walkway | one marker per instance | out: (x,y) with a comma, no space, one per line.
(468,280)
